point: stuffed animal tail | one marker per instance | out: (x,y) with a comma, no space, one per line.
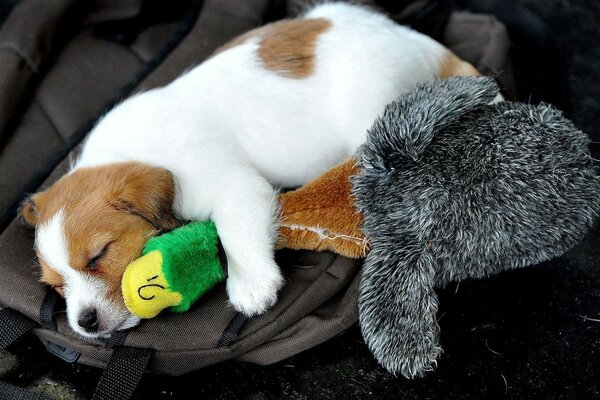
(408,124)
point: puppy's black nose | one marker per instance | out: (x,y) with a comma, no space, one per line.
(88,320)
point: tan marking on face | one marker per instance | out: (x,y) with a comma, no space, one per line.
(51,277)
(286,47)
(451,65)
(109,205)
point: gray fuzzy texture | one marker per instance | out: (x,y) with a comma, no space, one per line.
(453,188)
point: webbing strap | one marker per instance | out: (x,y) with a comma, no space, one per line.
(48,309)
(117,339)
(13,325)
(122,374)
(232,330)
(11,392)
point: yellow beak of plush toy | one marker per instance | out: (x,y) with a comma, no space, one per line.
(145,288)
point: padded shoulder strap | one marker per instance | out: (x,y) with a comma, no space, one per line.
(13,325)
(122,374)
(11,392)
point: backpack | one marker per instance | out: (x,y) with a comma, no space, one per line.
(84,60)
(319,301)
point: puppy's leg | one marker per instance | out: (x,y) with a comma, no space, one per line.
(245,213)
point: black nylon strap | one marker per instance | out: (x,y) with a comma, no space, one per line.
(233,330)
(117,339)
(13,325)
(122,374)
(48,308)
(11,392)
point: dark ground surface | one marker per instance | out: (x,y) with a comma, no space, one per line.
(525,334)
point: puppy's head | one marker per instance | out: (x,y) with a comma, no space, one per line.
(89,226)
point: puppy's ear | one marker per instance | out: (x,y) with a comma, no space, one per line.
(148,192)
(29,211)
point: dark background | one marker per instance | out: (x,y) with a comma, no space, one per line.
(527,334)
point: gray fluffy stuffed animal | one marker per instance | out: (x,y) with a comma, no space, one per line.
(451,188)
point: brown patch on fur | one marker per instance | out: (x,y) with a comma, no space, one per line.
(286,47)
(118,206)
(451,65)
(321,215)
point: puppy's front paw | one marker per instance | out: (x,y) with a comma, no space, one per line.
(254,293)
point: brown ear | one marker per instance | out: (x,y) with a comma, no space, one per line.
(149,192)
(29,211)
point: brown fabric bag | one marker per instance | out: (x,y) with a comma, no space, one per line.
(319,300)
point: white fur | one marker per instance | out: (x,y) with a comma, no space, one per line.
(229,130)
(82,291)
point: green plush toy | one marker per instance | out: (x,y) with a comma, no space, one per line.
(175,269)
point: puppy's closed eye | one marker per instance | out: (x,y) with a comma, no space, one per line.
(94,260)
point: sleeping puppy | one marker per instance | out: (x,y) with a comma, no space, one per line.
(276,107)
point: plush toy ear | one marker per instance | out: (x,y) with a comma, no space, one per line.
(398,305)
(409,123)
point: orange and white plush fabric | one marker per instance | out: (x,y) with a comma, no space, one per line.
(275,108)
(321,215)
